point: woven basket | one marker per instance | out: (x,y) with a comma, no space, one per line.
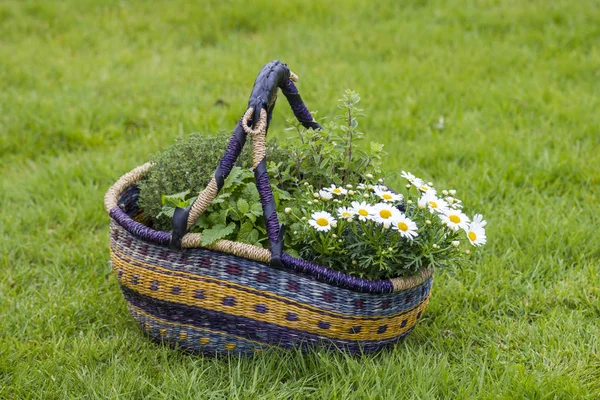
(237,298)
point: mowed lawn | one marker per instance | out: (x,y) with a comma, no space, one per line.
(91,89)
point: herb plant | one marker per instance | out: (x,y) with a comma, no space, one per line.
(333,155)
(186,167)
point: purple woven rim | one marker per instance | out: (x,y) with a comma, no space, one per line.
(320,273)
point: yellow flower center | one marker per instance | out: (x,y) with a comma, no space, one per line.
(472,236)
(433,204)
(454,218)
(337,190)
(402,226)
(387,196)
(363,212)
(424,188)
(385,214)
(346,214)
(322,222)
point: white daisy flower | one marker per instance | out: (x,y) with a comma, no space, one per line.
(387,195)
(384,213)
(425,188)
(456,204)
(405,226)
(455,219)
(322,221)
(410,177)
(325,195)
(336,190)
(475,231)
(363,210)
(346,212)
(431,201)
(361,186)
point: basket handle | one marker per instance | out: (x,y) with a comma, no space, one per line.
(273,76)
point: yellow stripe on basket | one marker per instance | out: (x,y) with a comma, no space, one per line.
(229,283)
(116,253)
(243,304)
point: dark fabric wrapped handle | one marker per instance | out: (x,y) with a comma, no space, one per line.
(272,76)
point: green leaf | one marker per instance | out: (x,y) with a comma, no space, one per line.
(253,237)
(256,209)
(244,232)
(166,211)
(243,206)
(250,193)
(376,147)
(211,235)
(176,200)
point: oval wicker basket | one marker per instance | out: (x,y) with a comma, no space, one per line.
(237,298)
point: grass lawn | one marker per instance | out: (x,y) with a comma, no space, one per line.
(89,90)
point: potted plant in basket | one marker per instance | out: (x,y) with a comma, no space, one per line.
(352,268)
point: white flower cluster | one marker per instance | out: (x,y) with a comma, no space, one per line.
(380,205)
(448,209)
(384,212)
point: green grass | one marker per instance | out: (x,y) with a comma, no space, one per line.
(88,91)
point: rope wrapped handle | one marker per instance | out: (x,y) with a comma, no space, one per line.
(255,122)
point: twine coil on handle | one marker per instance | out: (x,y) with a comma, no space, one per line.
(273,76)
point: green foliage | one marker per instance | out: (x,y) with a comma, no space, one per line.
(235,214)
(184,169)
(186,166)
(332,155)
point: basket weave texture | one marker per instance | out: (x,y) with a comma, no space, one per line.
(229,298)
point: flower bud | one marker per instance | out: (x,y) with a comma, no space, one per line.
(351,192)
(452,192)
(354,262)
(455,243)
(445,192)
(366,195)
(387,225)
(408,186)
(430,183)
(334,236)
(287,210)
(436,246)
(369,176)
(380,180)
(348,186)
(390,249)
(303,218)
(409,201)
(316,195)
(427,222)
(333,223)
(467,251)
